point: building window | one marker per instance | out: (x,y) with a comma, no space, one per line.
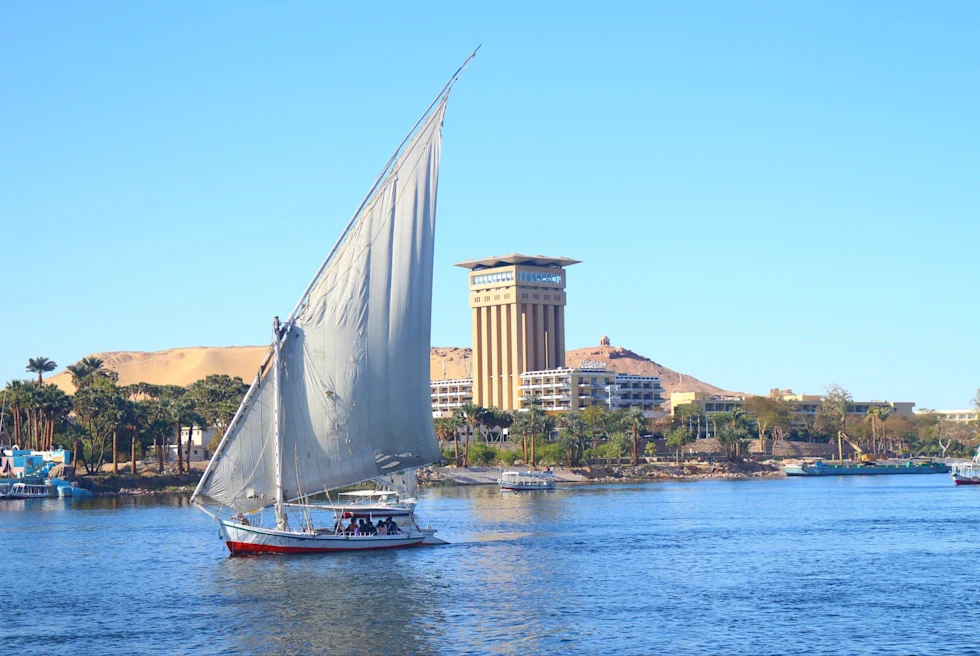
(491,278)
(539,276)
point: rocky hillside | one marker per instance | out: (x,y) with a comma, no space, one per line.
(182,366)
(625,361)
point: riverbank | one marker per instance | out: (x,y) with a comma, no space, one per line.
(452,476)
(147,483)
(150,483)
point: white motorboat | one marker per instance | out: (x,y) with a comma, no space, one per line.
(323,413)
(29,491)
(518,481)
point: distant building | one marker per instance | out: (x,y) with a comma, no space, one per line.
(803,403)
(448,395)
(198,451)
(518,307)
(960,416)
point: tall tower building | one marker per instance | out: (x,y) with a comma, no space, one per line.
(518,307)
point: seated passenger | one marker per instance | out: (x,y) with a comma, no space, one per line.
(392,526)
(382,528)
(352,527)
(369,528)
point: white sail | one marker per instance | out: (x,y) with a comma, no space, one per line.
(354,363)
(405,483)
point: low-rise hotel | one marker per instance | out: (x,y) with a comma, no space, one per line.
(801,403)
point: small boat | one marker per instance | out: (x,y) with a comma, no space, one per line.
(518,481)
(342,396)
(29,491)
(371,503)
(967,473)
(821,468)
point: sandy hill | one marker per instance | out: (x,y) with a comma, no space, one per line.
(183,366)
(179,366)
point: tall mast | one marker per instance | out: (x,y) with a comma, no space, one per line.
(277,422)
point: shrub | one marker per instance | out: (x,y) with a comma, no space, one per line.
(548,454)
(482,455)
(507,458)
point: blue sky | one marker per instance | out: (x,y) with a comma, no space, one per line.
(762,194)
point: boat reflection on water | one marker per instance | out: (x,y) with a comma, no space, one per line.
(360,603)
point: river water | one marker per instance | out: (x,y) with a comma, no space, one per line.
(875,565)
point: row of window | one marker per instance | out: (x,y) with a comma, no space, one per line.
(539,276)
(488,278)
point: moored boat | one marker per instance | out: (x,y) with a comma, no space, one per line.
(30,491)
(323,413)
(520,481)
(967,473)
(821,468)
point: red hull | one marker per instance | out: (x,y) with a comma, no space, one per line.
(237,548)
(967,481)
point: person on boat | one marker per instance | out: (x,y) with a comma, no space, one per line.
(242,519)
(352,527)
(369,528)
(382,528)
(391,526)
(339,527)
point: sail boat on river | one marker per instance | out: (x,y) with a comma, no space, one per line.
(343,394)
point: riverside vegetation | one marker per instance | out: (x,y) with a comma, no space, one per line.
(105,423)
(597,433)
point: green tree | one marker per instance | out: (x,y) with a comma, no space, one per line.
(522,426)
(838,402)
(82,370)
(41,366)
(14,395)
(473,415)
(691,415)
(766,412)
(181,407)
(599,420)
(636,422)
(619,444)
(100,405)
(735,438)
(216,399)
(55,408)
(677,437)
(572,437)
(536,414)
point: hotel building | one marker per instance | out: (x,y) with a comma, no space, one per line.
(517,304)
(962,416)
(803,403)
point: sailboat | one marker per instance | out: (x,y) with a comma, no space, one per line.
(342,397)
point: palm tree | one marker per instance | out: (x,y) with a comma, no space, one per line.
(737,416)
(82,371)
(635,422)
(535,412)
(884,412)
(40,366)
(14,393)
(573,435)
(473,415)
(92,363)
(839,401)
(522,425)
(874,413)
